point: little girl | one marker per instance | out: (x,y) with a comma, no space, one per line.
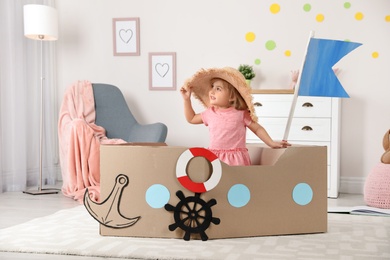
(229,111)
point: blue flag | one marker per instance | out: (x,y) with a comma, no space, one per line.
(318,77)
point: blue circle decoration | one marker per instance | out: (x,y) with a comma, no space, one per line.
(157,196)
(239,195)
(302,194)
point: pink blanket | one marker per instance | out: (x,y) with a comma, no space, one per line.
(79,140)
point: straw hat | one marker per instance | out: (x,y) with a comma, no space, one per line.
(200,85)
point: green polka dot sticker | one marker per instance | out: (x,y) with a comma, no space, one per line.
(306,7)
(270,45)
(347,5)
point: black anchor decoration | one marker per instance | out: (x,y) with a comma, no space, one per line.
(107,212)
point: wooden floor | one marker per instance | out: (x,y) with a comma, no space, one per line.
(18,207)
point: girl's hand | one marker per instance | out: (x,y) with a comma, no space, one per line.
(281,144)
(294,75)
(185,94)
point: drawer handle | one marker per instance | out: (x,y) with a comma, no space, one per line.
(257,104)
(307,128)
(307,104)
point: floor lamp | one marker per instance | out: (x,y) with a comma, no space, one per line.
(40,23)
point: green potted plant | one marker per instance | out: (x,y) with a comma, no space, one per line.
(247,71)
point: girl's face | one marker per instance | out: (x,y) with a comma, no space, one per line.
(219,94)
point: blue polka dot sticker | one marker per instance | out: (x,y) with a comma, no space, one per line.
(239,195)
(157,196)
(302,194)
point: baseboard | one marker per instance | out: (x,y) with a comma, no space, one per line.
(352,185)
(33,177)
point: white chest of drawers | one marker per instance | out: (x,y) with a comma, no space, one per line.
(316,121)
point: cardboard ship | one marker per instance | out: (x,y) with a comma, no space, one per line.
(164,191)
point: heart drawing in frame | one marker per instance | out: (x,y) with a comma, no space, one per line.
(125,35)
(162,69)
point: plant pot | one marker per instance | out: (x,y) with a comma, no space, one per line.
(248,82)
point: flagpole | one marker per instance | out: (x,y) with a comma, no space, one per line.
(294,102)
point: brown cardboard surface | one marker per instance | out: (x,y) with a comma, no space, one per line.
(271,209)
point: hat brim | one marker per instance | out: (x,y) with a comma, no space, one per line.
(200,85)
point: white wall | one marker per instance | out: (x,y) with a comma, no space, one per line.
(208,33)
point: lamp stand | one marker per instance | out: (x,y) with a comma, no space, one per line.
(40,190)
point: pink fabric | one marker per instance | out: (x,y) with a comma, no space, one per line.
(227,128)
(79,140)
(377,187)
(233,157)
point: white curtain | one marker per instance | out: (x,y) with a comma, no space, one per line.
(20,103)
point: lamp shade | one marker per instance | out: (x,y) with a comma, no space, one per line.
(40,22)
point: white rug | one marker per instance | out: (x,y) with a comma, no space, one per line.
(75,232)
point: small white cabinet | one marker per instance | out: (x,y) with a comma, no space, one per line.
(316,121)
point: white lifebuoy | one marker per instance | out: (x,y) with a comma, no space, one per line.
(181,170)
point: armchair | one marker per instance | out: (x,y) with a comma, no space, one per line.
(113,114)
(87,109)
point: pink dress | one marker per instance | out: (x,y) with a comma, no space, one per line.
(227,128)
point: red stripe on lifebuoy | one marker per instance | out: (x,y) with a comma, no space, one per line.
(192,186)
(210,156)
(181,170)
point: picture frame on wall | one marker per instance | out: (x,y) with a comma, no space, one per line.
(162,71)
(126,36)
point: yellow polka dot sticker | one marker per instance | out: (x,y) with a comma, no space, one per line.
(287,53)
(320,18)
(359,16)
(250,37)
(274,8)
(375,54)
(387,18)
